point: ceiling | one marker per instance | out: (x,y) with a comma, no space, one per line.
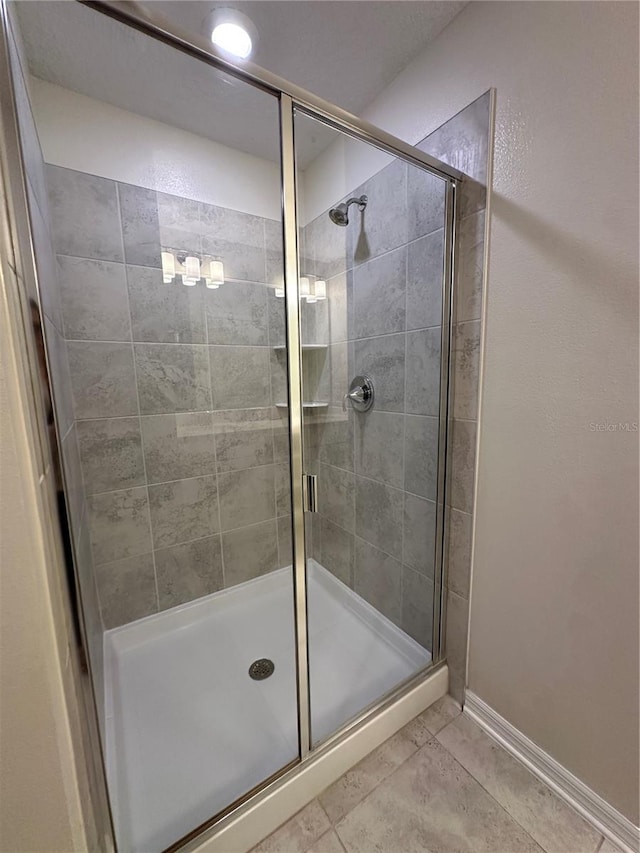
(346,51)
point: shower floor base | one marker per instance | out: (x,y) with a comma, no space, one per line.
(188,731)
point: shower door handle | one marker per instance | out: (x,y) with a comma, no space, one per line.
(310,492)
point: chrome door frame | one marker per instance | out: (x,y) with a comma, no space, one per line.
(292,98)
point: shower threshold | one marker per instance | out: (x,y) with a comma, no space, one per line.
(188,731)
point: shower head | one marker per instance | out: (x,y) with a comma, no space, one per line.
(340,215)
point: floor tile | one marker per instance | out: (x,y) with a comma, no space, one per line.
(555,826)
(440,714)
(298,834)
(329,843)
(338,799)
(431,804)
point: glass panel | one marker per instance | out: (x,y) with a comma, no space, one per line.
(158,232)
(371,268)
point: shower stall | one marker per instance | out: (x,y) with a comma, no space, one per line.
(245,295)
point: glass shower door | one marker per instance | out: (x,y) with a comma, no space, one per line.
(156,219)
(371,271)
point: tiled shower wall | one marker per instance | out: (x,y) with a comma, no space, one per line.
(377,470)
(184,455)
(464,142)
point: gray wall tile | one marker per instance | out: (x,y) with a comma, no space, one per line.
(283,488)
(127,590)
(383,224)
(276,318)
(103,379)
(383,359)
(460,524)
(326,248)
(60,376)
(470,268)
(338,313)
(334,440)
(74,484)
(337,551)
(140,225)
(188,571)
(285,550)
(240,377)
(172,378)
(417,606)
(246,497)
(463,141)
(378,579)
(250,552)
(183,510)
(379,295)
(237,314)
(421,456)
(466,369)
(379,512)
(456,642)
(165,313)
(423,372)
(425,267)
(111,453)
(380,446)
(46,263)
(462,452)
(336,496)
(94,299)
(425,202)
(419,534)
(84,215)
(179,223)
(177,446)
(119,523)
(238,238)
(244,438)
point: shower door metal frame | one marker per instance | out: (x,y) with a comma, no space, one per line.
(294,99)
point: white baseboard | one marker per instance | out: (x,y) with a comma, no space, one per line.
(607,820)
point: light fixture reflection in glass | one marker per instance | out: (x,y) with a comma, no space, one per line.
(320,289)
(192,271)
(216,274)
(168,267)
(280,292)
(305,287)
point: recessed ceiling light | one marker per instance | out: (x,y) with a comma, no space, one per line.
(231,31)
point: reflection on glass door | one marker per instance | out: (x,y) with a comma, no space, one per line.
(160,269)
(371,281)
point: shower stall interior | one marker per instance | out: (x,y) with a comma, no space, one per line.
(246,301)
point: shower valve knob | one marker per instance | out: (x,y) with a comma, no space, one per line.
(360,394)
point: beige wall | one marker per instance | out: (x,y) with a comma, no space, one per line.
(40,807)
(554,615)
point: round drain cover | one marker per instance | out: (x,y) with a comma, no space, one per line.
(261,668)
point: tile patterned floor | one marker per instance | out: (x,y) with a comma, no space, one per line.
(437,786)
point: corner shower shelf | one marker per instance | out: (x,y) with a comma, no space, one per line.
(305,347)
(312,404)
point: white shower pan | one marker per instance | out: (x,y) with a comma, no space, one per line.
(188,731)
